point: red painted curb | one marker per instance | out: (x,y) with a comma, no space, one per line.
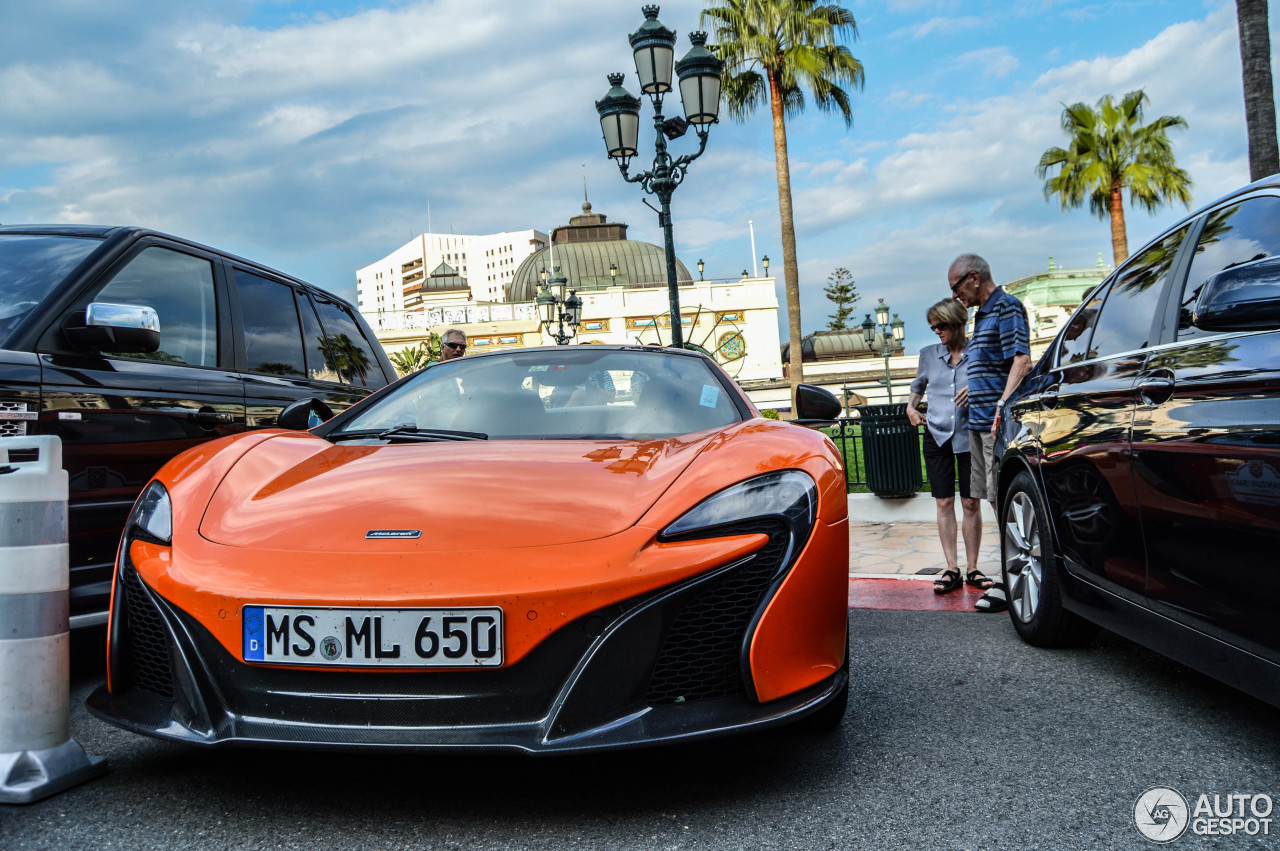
(909,595)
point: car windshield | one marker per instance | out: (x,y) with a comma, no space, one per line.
(31,266)
(583,392)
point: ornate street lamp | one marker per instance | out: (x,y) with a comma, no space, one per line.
(765,261)
(554,309)
(895,330)
(701,266)
(699,79)
(613,273)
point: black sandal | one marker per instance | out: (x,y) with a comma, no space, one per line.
(947,582)
(978,580)
(994,600)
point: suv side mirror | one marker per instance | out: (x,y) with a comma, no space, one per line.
(115,328)
(816,406)
(1243,298)
(304,414)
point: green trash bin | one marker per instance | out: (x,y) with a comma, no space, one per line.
(891,450)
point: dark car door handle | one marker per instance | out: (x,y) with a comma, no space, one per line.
(1155,389)
(1049,398)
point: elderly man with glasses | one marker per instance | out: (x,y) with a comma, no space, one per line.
(999,356)
(454,345)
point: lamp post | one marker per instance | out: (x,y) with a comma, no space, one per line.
(653,46)
(895,329)
(765,261)
(701,266)
(555,309)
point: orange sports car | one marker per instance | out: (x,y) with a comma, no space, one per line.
(556,549)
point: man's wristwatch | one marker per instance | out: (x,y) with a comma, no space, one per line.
(999,404)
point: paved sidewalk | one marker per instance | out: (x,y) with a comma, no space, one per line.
(913,550)
(880,554)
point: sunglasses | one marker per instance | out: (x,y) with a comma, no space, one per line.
(938,326)
(958,284)
(461,347)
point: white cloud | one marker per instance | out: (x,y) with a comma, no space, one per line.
(944,25)
(994,62)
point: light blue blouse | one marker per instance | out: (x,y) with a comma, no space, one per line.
(941,380)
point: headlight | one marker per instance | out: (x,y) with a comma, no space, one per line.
(790,496)
(153,514)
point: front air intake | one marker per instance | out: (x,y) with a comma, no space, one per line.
(701,655)
(146,638)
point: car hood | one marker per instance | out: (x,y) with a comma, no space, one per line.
(301,493)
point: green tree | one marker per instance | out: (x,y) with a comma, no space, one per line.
(1259,100)
(777,50)
(1111,150)
(411,360)
(844,294)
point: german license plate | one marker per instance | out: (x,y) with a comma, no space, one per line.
(387,638)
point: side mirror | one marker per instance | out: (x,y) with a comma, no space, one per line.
(1244,298)
(119,328)
(304,414)
(816,406)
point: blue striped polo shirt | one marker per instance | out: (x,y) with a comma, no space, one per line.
(1000,331)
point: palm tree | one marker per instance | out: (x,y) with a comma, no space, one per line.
(780,49)
(1112,150)
(412,359)
(1259,101)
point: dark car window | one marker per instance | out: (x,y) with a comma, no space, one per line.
(1231,237)
(1074,347)
(350,354)
(1125,322)
(179,287)
(272,336)
(31,266)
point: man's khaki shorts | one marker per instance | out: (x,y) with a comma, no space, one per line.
(982,465)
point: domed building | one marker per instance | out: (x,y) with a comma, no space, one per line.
(840,346)
(593,253)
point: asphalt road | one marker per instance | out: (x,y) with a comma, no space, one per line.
(957,736)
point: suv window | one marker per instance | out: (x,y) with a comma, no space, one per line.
(272,336)
(1231,237)
(179,287)
(1125,321)
(31,265)
(1075,340)
(350,354)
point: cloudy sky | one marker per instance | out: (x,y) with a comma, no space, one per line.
(312,135)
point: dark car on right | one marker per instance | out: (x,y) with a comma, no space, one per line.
(1140,483)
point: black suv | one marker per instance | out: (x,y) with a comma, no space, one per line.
(131,346)
(1140,489)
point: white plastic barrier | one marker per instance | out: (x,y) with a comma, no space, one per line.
(38,757)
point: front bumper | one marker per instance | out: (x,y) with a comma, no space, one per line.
(667,665)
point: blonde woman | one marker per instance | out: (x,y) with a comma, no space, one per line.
(941,375)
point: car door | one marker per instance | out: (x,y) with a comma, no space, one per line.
(122,416)
(1086,417)
(1206,449)
(285,353)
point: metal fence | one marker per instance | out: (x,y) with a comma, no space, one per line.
(847,434)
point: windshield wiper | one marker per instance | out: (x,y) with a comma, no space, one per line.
(408,431)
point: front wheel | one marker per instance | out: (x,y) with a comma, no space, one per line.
(1030,567)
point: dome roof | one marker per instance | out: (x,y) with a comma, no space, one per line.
(584,250)
(444,279)
(839,345)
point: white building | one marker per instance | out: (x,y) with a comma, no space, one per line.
(623,286)
(488,263)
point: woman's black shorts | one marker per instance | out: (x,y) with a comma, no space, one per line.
(941,463)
